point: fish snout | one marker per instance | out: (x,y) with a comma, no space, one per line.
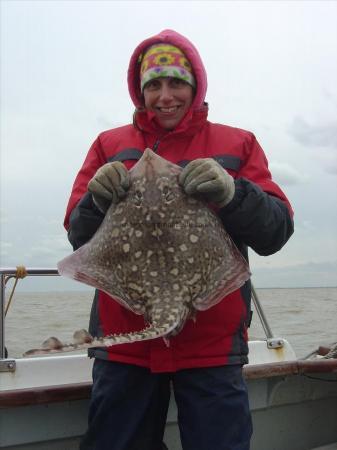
(154,215)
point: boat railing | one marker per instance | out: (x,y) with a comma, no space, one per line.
(7,273)
(272,341)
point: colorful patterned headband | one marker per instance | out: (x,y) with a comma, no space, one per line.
(165,60)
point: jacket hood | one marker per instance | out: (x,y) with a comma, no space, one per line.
(192,54)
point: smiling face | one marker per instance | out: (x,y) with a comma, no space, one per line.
(169,99)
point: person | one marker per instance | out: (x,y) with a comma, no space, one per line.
(132,382)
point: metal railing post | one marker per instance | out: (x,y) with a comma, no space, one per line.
(12,273)
(2,317)
(272,342)
(260,312)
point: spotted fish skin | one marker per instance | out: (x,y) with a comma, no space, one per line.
(159,253)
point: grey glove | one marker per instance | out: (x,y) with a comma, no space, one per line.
(109,185)
(206,177)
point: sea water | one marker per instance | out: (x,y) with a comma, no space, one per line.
(306,317)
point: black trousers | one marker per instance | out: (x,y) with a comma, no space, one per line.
(129,406)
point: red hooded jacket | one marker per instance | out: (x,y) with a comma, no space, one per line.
(259,216)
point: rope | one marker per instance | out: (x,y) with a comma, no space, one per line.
(331,353)
(21,272)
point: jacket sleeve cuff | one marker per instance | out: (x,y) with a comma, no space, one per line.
(85,219)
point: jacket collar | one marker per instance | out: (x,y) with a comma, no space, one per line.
(145,121)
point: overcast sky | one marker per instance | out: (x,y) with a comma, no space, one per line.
(272,69)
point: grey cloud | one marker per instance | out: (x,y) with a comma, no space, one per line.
(332,169)
(5,248)
(305,225)
(314,135)
(330,96)
(3,217)
(53,246)
(105,123)
(286,175)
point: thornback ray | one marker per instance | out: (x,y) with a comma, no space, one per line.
(160,253)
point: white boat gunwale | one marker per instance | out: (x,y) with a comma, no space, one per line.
(78,391)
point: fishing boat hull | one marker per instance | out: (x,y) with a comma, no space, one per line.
(44,402)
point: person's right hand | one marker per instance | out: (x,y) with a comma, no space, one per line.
(109,185)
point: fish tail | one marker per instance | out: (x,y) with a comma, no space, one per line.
(151,332)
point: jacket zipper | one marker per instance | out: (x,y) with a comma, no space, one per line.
(156,145)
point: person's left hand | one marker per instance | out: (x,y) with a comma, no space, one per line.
(205,176)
